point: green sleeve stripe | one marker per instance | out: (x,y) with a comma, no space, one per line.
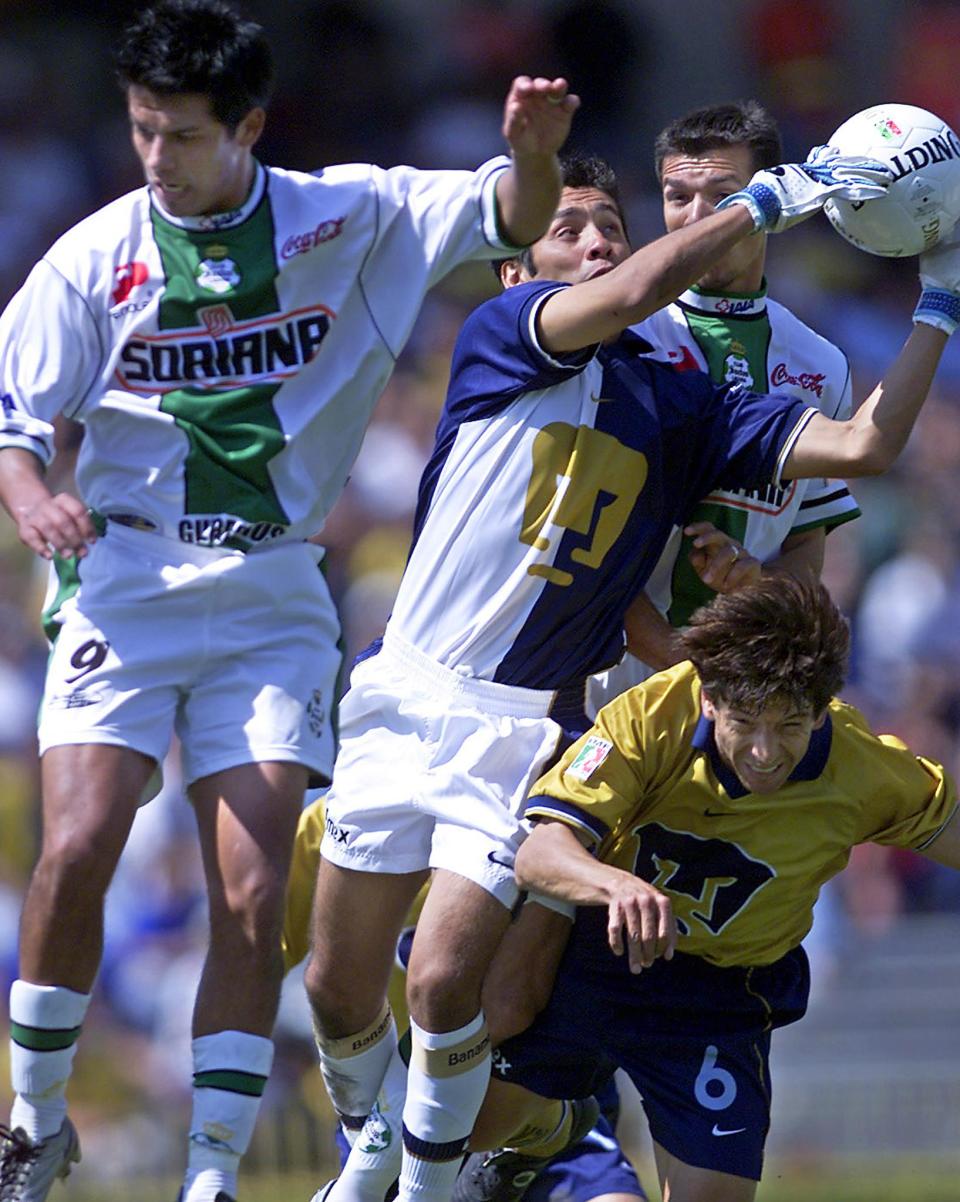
(44,1039)
(828,524)
(251,1084)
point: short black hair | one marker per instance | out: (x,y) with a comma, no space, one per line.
(739,123)
(176,47)
(577,170)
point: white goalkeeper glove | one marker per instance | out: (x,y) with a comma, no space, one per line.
(779,197)
(939,303)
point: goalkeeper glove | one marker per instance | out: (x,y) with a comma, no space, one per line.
(939,303)
(779,197)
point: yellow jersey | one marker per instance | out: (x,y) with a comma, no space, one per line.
(648,789)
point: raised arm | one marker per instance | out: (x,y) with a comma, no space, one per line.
(536,120)
(872,439)
(774,200)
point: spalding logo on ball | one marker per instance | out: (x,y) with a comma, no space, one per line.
(923,202)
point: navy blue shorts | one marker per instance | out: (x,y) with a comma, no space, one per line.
(594,1166)
(693,1038)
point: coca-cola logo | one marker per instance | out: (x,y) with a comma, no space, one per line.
(809,381)
(300,244)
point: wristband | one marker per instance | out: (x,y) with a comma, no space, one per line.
(761,203)
(938,308)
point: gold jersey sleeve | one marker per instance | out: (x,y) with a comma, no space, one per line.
(299,906)
(742,870)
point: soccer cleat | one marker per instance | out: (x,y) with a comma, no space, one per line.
(504,1175)
(28,1169)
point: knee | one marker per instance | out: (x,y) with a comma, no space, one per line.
(250,906)
(441,996)
(75,864)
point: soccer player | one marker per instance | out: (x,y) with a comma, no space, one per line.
(563,458)
(223,333)
(708,805)
(726,324)
(595,1171)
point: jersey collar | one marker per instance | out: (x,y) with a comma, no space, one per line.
(726,304)
(219,221)
(810,767)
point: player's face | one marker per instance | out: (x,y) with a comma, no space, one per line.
(763,748)
(191,161)
(693,186)
(585,239)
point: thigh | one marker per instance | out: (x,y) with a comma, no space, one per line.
(457,934)
(680,1182)
(265,689)
(247,818)
(356,921)
(482,769)
(112,676)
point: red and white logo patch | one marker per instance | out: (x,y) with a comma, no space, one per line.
(589,758)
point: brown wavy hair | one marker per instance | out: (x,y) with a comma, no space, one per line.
(782,639)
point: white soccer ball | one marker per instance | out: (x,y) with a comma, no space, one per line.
(923,202)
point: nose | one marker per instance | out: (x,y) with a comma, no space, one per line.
(159,155)
(699,208)
(600,245)
(764,747)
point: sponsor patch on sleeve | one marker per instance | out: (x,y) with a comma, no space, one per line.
(590,756)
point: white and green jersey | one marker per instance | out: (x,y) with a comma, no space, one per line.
(225,367)
(752,342)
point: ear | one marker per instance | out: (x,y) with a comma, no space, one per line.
(250,128)
(818,722)
(707,708)
(512,273)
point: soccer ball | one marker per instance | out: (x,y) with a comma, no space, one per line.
(923,202)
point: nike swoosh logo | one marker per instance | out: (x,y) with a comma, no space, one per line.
(735,1131)
(501,858)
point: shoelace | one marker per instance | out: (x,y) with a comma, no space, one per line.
(17,1155)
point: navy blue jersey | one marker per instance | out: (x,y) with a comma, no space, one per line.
(553,486)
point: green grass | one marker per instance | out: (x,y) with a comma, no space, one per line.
(901,1182)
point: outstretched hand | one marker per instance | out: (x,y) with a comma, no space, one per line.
(939,303)
(640,922)
(537,115)
(780,197)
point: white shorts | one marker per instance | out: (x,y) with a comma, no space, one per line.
(236,653)
(433,770)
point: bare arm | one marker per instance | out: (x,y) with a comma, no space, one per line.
(871,440)
(552,860)
(801,554)
(597,309)
(536,120)
(45,522)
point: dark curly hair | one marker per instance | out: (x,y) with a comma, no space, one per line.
(782,639)
(203,46)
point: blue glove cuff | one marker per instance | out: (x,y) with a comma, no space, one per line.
(749,199)
(937,308)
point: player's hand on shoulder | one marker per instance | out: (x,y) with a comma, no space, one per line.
(721,562)
(939,303)
(59,523)
(537,115)
(640,921)
(780,197)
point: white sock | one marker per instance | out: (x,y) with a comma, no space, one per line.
(230,1071)
(353,1069)
(446,1083)
(374,1161)
(45,1023)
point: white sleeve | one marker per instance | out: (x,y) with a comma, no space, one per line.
(49,357)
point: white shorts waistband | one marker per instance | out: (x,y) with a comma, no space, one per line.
(489,696)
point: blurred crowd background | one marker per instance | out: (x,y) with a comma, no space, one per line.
(394,81)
